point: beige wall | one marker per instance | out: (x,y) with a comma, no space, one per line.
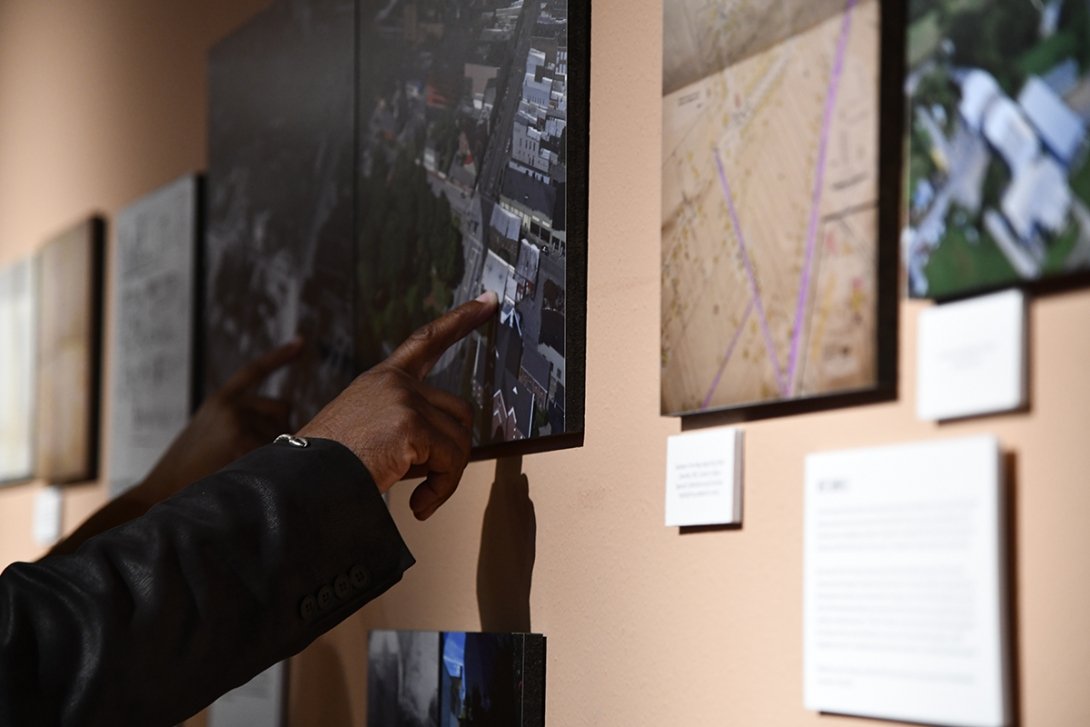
(102,101)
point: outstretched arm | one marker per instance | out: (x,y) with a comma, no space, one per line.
(230,423)
(149,622)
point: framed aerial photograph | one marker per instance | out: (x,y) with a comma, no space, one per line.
(780,203)
(70,353)
(455,678)
(374,165)
(472,143)
(998,169)
(279,249)
(155,312)
(18,369)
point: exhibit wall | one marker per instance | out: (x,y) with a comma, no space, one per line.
(105,100)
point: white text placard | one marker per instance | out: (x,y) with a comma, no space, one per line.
(904,613)
(704,478)
(971,357)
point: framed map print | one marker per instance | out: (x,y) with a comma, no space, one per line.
(779,204)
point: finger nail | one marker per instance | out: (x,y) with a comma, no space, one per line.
(421,507)
(425,513)
(426,509)
(488,298)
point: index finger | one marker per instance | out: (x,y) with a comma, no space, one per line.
(255,371)
(423,348)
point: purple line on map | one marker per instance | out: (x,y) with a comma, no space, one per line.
(727,355)
(819,183)
(749,270)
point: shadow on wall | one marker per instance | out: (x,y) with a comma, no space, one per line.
(505,567)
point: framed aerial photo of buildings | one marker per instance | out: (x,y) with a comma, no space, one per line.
(70,353)
(998,170)
(376,164)
(18,368)
(780,204)
(279,253)
(155,311)
(472,144)
(454,678)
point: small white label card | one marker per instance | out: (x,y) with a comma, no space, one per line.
(259,701)
(972,357)
(48,512)
(704,478)
(904,589)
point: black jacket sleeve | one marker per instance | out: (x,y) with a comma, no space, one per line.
(148,623)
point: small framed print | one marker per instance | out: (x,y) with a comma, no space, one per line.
(70,353)
(18,369)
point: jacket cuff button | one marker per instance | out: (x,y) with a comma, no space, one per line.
(359,576)
(342,587)
(325,597)
(308,609)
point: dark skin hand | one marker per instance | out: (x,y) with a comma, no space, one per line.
(230,423)
(400,426)
(410,429)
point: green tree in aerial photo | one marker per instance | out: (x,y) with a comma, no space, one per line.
(402,224)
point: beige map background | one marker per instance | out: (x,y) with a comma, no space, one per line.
(752,136)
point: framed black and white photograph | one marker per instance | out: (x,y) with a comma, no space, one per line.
(155,310)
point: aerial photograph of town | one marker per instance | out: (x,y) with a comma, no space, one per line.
(463,189)
(999,181)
